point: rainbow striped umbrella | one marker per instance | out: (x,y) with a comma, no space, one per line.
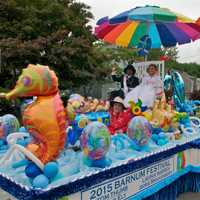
(164,28)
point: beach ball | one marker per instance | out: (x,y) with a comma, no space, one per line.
(95,140)
(139,130)
(8,124)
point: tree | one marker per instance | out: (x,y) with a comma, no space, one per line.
(190,68)
(49,32)
(113,55)
(171,53)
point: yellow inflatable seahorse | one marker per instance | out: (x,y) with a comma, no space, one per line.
(44,118)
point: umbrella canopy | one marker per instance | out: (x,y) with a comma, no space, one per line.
(164,28)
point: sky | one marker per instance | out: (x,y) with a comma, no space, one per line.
(190,8)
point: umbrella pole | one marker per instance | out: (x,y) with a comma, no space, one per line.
(145,58)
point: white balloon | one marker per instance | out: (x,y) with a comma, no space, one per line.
(16,150)
(20,149)
(12,138)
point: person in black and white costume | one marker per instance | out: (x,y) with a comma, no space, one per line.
(128,81)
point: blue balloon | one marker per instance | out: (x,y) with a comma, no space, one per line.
(166,140)
(22,142)
(23,129)
(155,137)
(20,163)
(40,181)
(161,142)
(179,86)
(51,169)
(175,82)
(167,82)
(162,135)
(32,170)
(118,142)
(156,130)
(73,135)
(101,163)
(1,142)
(4,147)
(57,177)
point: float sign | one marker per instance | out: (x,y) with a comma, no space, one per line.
(130,184)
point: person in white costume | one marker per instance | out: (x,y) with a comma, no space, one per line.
(151,88)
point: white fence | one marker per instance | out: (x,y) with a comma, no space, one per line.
(198,84)
(191,83)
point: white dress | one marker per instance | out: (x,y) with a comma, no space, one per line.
(147,91)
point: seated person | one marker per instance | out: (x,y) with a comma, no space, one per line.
(150,89)
(153,78)
(119,116)
(128,80)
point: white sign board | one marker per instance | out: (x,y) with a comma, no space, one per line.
(130,184)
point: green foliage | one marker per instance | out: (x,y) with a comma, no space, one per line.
(171,53)
(155,54)
(49,32)
(56,33)
(11,107)
(190,68)
(117,53)
(109,56)
(130,55)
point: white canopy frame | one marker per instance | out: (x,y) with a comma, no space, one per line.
(141,68)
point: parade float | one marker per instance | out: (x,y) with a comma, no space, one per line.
(38,160)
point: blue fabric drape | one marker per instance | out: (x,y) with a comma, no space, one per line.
(191,181)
